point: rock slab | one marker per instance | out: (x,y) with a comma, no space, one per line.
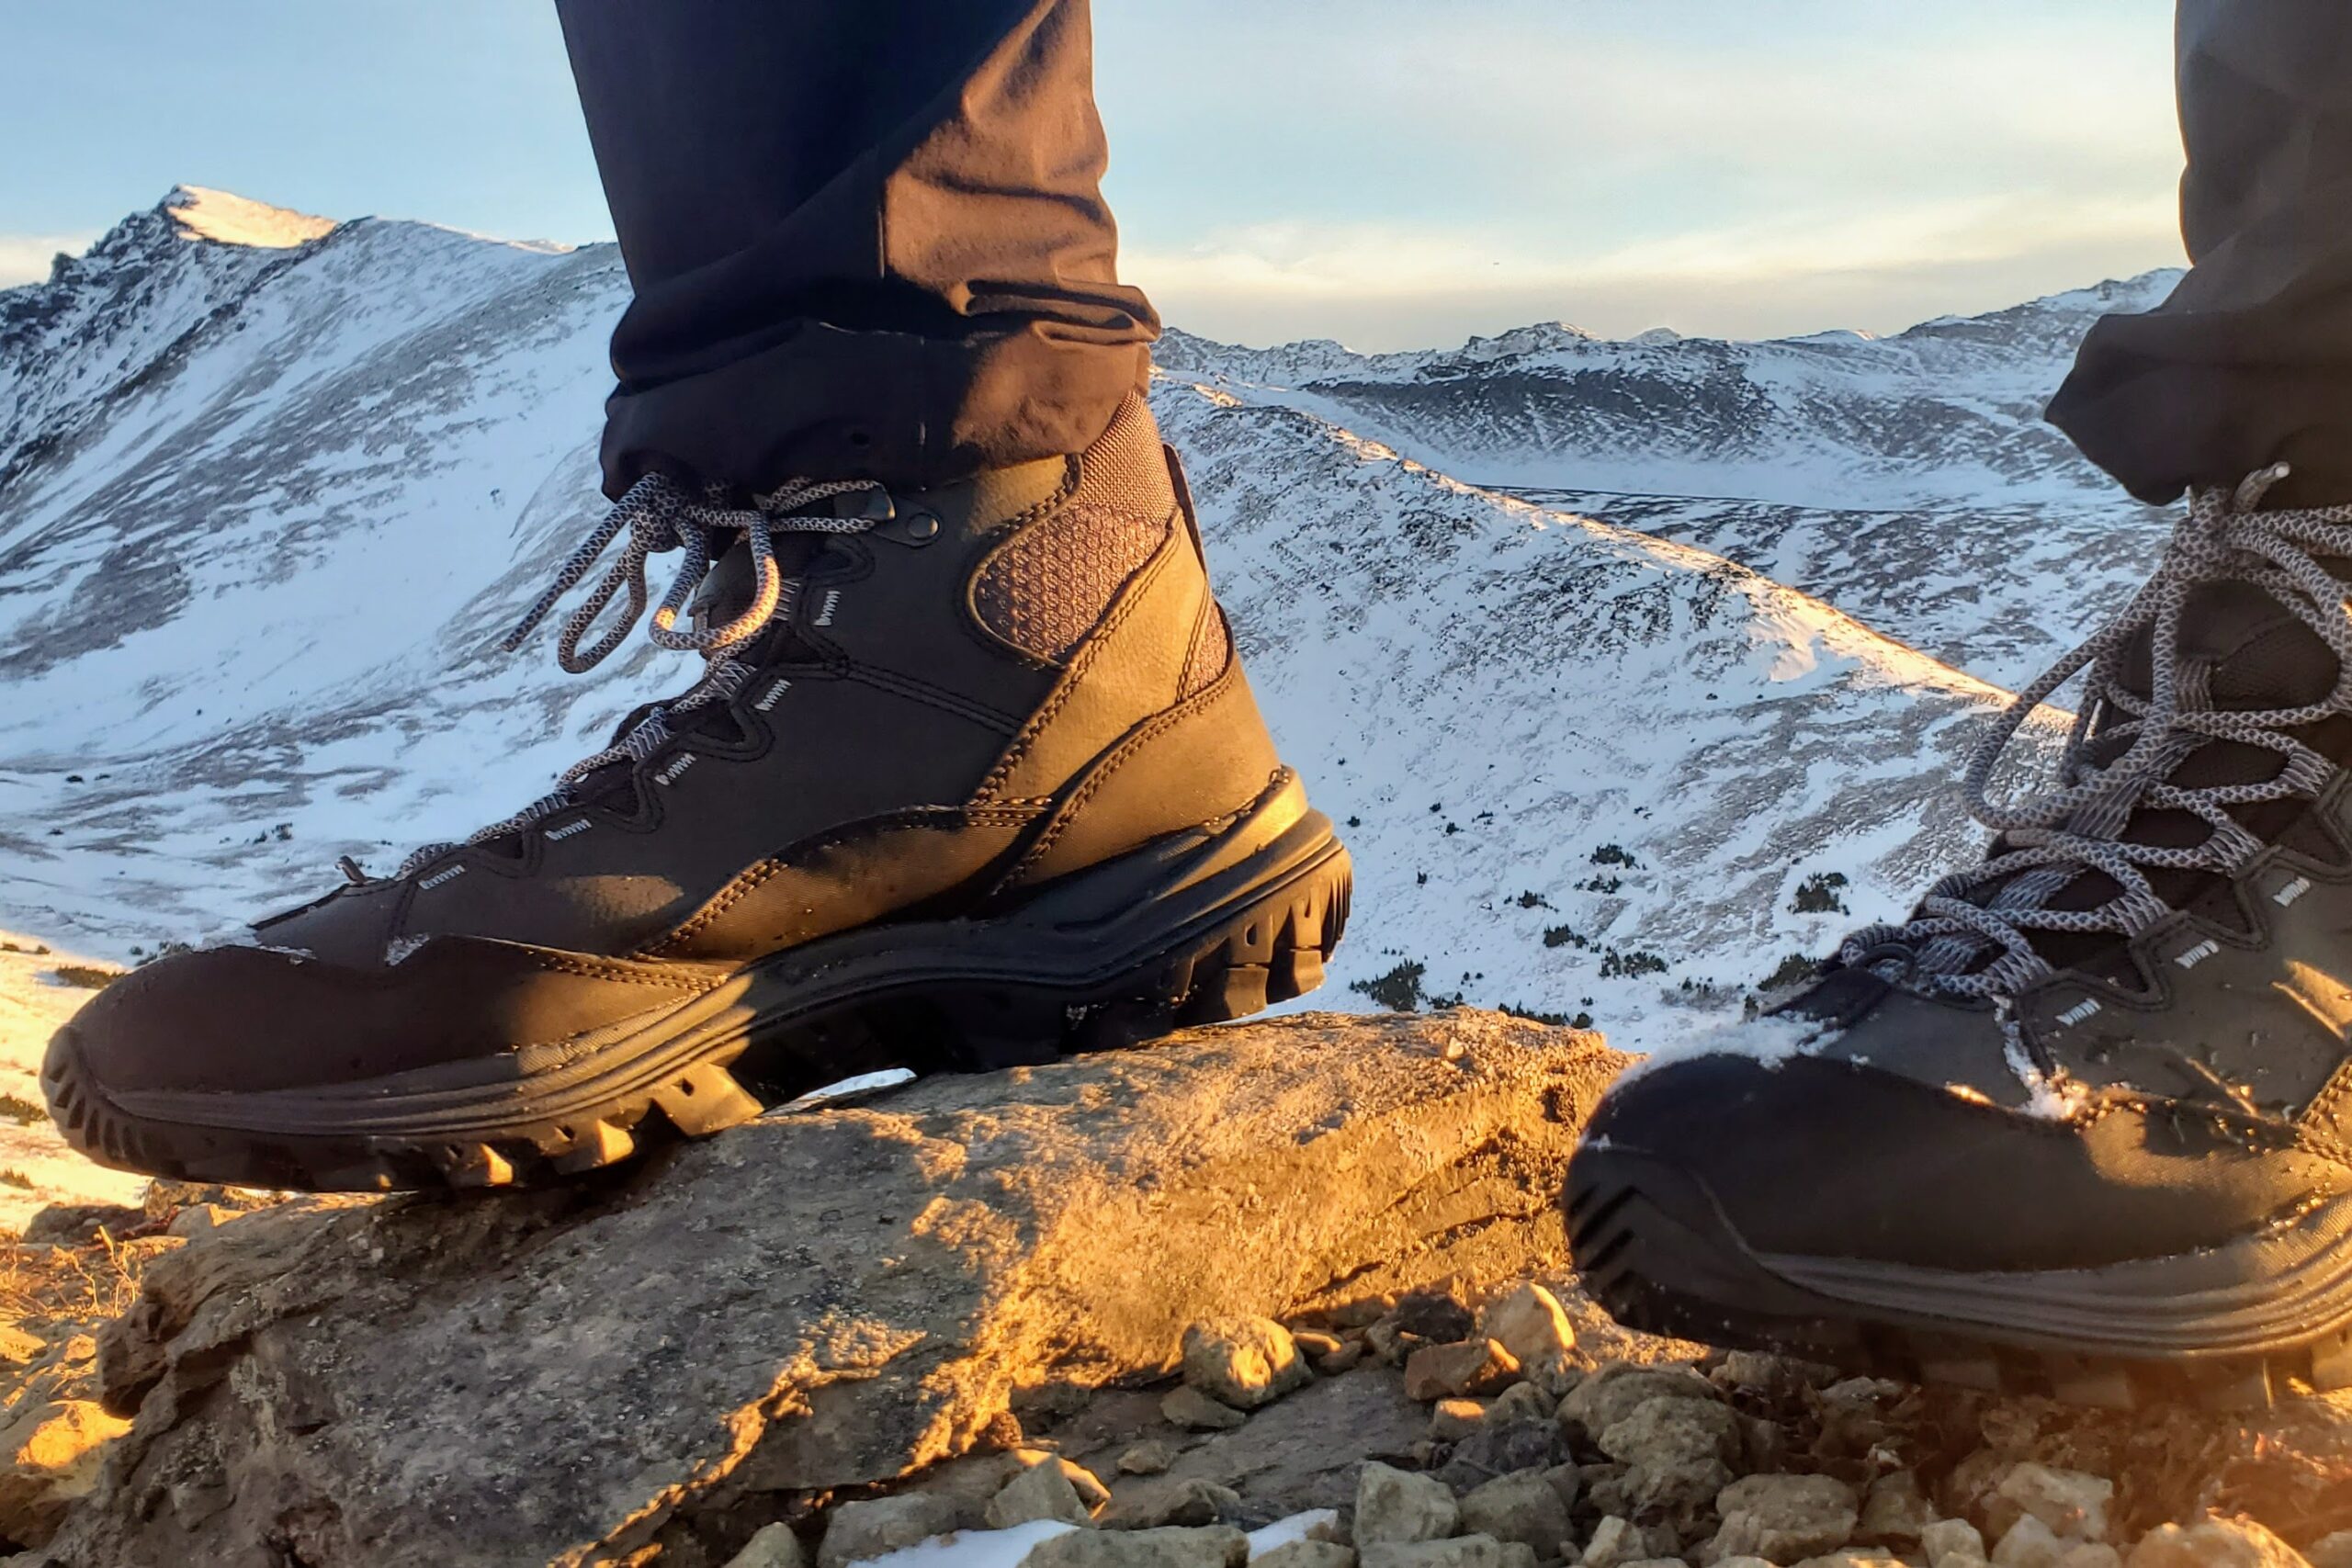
(814,1299)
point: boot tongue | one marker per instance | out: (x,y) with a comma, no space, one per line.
(2257,653)
(729,589)
(733,581)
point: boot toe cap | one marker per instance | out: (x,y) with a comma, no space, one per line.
(250,1020)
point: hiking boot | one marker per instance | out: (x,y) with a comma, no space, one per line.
(2083,1124)
(972,779)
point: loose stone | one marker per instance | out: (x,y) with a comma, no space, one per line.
(1523,1508)
(855,1531)
(1146,1457)
(2070,1502)
(1952,1543)
(1615,1543)
(1040,1492)
(2028,1543)
(1468,1367)
(1242,1361)
(1395,1506)
(1532,1324)
(1609,1394)
(774,1546)
(2213,1543)
(1677,1452)
(1462,1551)
(1451,1420)
(1216,1546)
(1895,1513)
(1192,1501)
(1309,1553)
(1784,1518)
(1189,1407)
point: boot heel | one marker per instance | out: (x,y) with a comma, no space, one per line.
(1270,951)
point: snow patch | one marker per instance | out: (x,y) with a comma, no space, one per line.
(1770,1041)
(2049,1098)
(973,1549)
(1282,1532)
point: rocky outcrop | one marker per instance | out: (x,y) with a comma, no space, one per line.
(809,1302)
(1152,1299)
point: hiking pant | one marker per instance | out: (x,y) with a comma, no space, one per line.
(867,239)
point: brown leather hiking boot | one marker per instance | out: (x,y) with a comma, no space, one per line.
(972,779)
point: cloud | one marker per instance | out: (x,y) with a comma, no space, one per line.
(25,258)
(1394,174)
(1393,285)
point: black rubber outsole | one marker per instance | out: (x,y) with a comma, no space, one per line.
(1658,1268)
(1270,949)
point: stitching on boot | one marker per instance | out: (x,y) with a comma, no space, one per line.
(590,969)
(941,819)
(924,691)
(2324,1108)
(1212,651)
(1116,758)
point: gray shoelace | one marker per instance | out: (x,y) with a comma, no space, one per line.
(658,515)
(2055,834)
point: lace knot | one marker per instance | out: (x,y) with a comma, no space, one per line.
(660,515)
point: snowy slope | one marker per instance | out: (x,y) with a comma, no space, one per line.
(2000,586)
(1581,766)
(110,315)
(1907,480)
(263,510)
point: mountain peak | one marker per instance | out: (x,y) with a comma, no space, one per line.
(226,218)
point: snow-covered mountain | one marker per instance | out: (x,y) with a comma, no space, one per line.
(1908,479)
(1950,410)
(269,490)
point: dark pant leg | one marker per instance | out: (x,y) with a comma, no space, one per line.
(2249,361)
(866,236)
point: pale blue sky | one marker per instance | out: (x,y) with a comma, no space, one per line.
(1387,172)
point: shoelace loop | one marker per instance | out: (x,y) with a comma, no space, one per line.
(2054,835)
(658,514)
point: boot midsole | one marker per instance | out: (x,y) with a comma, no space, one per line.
(1082,932)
